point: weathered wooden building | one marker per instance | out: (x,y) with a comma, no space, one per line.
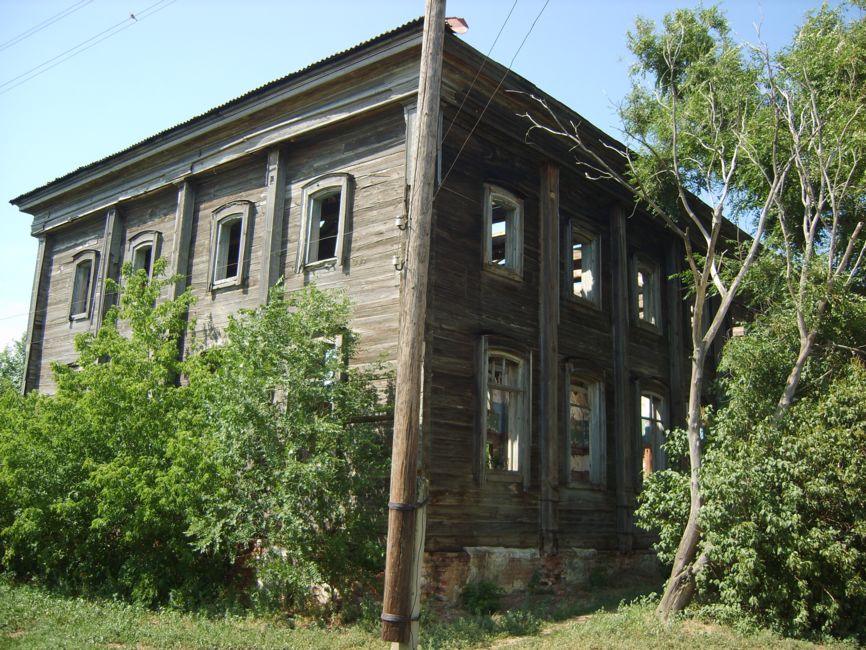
(554,356)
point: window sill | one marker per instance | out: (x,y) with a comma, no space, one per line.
(503,476)
(647,326)
(77,318)
(226,283)
(503,272)
(319,265)
(588,303)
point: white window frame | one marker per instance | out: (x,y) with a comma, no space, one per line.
(519,443)
(140,241)
(590,289)
(652,455)
(316,189)
(651,291)
(597,471)
(221,220)
(78,260)
(513,265)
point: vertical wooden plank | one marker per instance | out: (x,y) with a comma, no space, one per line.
(674,330)
(108,265)
(182,235)
(34,320)
(274,216)
(623,431)
(548,345)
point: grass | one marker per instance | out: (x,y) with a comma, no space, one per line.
(32,618)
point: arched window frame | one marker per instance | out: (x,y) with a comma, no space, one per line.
(652,409)
(81,307)
(589,291)
(519,444)
(512,263)
(311,195)
(596,472)
(222,218)
(139,243)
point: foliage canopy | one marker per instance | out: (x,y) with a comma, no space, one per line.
(251,478)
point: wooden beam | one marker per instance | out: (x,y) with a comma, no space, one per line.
(674,330)
(179,263)
(274,217)
(402,545)
(623,432)
(34,319)
(108,265)
(548,345)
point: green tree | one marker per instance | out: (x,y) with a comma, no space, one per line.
(12,365)
(783,520)
(246,470)
(772,142)
(297,462)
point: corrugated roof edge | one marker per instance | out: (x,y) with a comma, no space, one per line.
(406,27)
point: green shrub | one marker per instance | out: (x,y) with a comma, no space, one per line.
(482,597)
(250,480)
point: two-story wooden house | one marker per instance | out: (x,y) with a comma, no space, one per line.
(554,353)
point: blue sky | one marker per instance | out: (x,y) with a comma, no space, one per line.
(182,57)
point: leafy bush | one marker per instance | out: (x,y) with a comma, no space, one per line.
(784,519)
(251,478)
(482,597)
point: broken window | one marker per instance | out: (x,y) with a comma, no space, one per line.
(647,292)
(230,225)
(586,430)
(503,225)
(505,413)
(82,285)
(652,429)
(325,202)
(143,249)
(582,265)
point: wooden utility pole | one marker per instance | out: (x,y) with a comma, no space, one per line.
(402,507)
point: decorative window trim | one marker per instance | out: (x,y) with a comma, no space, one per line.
(514,244)
(489,347)
(221,217)
(140,241)
(652,317)
(90,256)
(656,459)
(592,295)
(598,427)
(318,188)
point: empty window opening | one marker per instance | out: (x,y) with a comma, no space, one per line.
(583,272)
(142,259)
(504,421)
(324,226)
(502,223)
(647,294)
(228,248)
(652,432)
(81,289)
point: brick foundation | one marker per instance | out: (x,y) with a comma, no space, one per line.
(516,570)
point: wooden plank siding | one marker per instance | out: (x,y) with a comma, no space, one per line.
(350,120)
(469,301)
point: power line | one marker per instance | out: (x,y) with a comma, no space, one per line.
(85,45)
(478,73)
(490,99)
(45,23)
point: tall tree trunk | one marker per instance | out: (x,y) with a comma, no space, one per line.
(793,380)
(680,587)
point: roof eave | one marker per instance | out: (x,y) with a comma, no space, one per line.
(252,101)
